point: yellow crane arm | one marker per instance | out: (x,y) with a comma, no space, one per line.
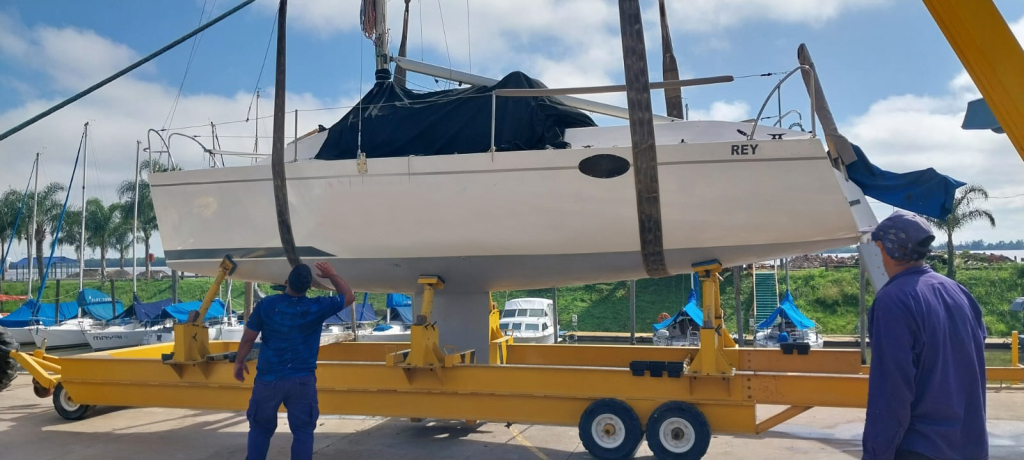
(992,56)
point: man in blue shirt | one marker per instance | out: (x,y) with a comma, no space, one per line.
(286,369)
(926,390)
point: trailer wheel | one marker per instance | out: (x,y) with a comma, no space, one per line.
(678,431)
(8,366)
(610,430)
(67,407)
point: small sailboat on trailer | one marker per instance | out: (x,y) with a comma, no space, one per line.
(788,323)
(683,328)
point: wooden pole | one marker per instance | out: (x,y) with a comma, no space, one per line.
(554,311)
(641,130)
(632,312)
(863,315)
(249,298)
(174,286)
(737,282)
(113,298)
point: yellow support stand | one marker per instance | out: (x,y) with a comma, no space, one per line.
(192,338)
(714,337)
(425,351)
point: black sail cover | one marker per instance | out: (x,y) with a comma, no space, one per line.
(397,122)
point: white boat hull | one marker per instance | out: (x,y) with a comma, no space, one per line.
(384,336)
(116,337)
(531,338)
(22,335)
(65,335)
(764,339)
(454,215)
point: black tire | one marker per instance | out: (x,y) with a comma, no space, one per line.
(8,366)
(610,430)
(678,431)
(66,407)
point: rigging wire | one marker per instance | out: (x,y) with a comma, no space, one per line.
(469,38)
(259,78)
(421,30)
(188,64)
(440,11)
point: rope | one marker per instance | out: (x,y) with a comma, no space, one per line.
(368,18)
(443,31)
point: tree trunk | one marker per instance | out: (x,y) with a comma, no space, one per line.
(121,259)
(39,254)
(951,255)
(149,273)
(103,264)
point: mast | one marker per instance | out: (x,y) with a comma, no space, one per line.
(81,241)
(32,230)
(135,218)
(380,41)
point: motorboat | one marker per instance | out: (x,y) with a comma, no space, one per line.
(528,320)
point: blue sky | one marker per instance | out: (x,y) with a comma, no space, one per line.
(892,81)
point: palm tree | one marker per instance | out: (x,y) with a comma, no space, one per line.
(49,206)
(100,222)
(121,232)
(964,213)
(10,201)
(71,232)
(147,215)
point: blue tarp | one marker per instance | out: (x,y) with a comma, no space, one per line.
(98,304)
(24,315)
(145,312)
(689,311)
(400,308)
(788,310)
(979,116)
(180,311)
(926,192)
(364,313)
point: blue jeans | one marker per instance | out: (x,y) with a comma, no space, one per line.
(298,394)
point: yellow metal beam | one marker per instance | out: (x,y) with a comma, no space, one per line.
(808,390)
(782,417)
(992,56)
(39,369)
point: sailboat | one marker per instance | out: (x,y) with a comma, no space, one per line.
(789,320)
(95,309)
(130,328)
(683,328)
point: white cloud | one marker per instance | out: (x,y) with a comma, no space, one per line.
(121,112)
(715,15)
(722,110)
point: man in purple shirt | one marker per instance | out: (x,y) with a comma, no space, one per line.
(926,391)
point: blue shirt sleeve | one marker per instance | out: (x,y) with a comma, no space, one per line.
(255,320)
(330,306)
(891,380)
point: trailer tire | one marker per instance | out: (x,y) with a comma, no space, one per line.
(610,430)
(678,431)
(8,366)
(68,408)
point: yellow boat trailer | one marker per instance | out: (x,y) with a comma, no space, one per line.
(678,396)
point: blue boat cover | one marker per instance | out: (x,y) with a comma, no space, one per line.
(97,304)
(32,313)
(398,300)
(180,311)
(979,116)
(926,192)
(689,311)
(364,313)
(399,308)
(787,309)
(393,121)
(145,312)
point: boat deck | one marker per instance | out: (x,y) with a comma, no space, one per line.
(28,426)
